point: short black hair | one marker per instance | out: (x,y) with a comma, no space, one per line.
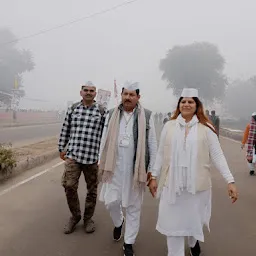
(137,91)
(83,86)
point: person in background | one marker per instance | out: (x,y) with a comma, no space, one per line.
(160,118)
(244,141)
(128,151)
(207,112)
(215,121)
(246,135)
(188,144)
(156,116)
(169,115)
(251,149)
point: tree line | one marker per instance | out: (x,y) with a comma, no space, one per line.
(201,65)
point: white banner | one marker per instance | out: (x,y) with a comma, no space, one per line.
(103,97)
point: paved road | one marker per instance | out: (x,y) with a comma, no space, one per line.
(28,134)
(32,217)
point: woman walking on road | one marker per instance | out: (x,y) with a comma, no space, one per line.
(187,144)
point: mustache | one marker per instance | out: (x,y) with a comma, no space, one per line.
(127,101)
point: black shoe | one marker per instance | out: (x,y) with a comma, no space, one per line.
(252,173)
(196,250)
(117,232)
(128,251)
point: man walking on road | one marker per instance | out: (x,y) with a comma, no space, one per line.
(251,150)
(160,118)
(207,112)
(215,121)
(167,118)
(244,141)
(128,152)
(81,134)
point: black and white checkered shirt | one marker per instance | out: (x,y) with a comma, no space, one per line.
(81,133)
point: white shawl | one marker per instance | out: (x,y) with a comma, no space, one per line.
(183,158)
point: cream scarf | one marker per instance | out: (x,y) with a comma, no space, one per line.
(108,157)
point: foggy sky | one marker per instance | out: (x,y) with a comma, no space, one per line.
(126,44)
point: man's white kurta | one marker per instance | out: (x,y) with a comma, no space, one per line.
(121,186)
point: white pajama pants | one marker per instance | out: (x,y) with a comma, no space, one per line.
(176,245)
(132,220)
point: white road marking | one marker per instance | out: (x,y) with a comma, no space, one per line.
(30,178)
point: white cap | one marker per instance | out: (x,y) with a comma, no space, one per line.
(131,86)
(189,93)
(254,114)
(89,83)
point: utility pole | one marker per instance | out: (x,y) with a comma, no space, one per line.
(15,99)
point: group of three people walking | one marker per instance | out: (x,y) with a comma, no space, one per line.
(119,148)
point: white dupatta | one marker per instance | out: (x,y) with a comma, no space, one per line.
(182,174)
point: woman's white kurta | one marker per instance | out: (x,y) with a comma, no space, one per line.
(121,186)
(189,213)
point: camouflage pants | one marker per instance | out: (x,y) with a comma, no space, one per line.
(70,181)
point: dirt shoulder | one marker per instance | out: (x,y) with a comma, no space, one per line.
(31,156)
(36,149)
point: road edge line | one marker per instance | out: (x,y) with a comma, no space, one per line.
(29,179)
(30,163)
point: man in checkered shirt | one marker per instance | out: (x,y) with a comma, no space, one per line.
(252,140)
(79,145)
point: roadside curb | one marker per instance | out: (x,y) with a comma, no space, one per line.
(230,134)
(30,163)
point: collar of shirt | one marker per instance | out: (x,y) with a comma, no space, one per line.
(128,115)
(91,106)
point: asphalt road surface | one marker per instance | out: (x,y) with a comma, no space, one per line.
(19,136)
(34,212)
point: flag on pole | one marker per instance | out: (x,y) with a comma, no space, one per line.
(115,89)
(115,92)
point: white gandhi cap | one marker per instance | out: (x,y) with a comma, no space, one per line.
(89,83)
(189,93)
(131,86)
